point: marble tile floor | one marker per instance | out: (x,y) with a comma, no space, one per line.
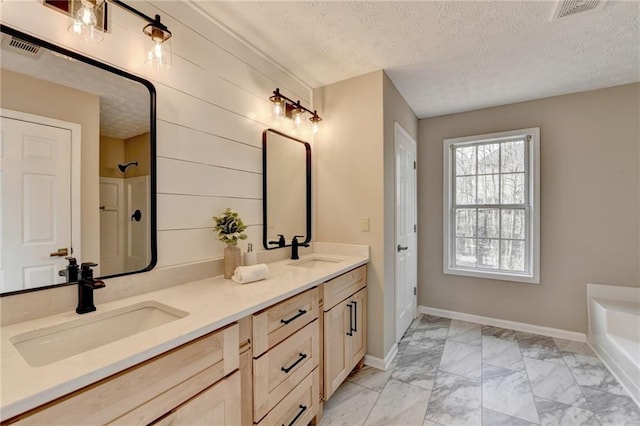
(450,372)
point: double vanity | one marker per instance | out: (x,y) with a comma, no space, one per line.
(213,350)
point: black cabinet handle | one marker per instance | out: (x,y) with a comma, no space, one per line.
(349,333)
(300,313)
(298,361)
(355,316)
(303,408)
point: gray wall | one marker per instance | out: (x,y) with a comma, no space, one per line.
(590,206)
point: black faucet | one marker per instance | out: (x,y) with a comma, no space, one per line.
(71,272)
(281,242)
(86,285)
(294,247)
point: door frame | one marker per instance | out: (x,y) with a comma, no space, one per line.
(76,139)
(398,129)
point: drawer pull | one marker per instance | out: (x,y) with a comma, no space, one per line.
(300,313)
(349,333)
(355,316)
(298,361)
(303,408)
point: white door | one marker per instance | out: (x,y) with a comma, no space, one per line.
(137,219)
(406,230)
(35,172)
(111,226)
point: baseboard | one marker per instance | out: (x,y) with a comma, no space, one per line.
(379,363)
(513,325)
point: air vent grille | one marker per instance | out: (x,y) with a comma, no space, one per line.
(22,47)
(571,7)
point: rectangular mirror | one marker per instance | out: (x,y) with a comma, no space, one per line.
(286,189)
(77,165)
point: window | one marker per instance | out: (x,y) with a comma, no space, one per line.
(492,205)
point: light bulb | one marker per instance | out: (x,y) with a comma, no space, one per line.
(297,118)
(84,23)
(316,128)
(278,110)
(158,54)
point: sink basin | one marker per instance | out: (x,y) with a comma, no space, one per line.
(50,344)
(315,262)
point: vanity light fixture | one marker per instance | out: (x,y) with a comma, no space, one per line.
(157,47)
(286,107)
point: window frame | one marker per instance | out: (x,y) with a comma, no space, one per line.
(531,205)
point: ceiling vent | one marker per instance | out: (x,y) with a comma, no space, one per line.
(14,44)
(566,8)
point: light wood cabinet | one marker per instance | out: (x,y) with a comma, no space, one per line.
(286,351)
(219,405)
(344,336)
(145,392)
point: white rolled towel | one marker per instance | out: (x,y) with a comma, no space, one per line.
(249,274)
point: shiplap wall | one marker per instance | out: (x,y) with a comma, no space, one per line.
(212,107)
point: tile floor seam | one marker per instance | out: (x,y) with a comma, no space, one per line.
(522,356)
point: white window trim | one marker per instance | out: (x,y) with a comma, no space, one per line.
(533,277)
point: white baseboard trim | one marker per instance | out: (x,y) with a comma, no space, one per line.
(382,364)
(513,325)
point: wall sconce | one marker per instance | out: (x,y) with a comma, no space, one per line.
(157,47)
(286,107)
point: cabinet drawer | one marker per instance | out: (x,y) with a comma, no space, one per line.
(217,406)
(212,356)
(280,321)
(343,286)
(279,370)
(299,407)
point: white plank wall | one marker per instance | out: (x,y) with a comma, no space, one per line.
(212,107)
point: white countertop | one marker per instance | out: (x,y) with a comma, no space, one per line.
(211,303)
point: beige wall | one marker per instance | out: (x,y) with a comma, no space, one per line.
(137,149)
(39,97)
(396,109)
(590,211)
(111,154)
(348,180)
(354,178)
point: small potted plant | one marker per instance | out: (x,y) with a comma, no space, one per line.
(230,229)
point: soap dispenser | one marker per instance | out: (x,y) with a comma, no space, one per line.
(250,257)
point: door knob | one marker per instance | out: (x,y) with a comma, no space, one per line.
(62,252)
(137,215)
(400,248)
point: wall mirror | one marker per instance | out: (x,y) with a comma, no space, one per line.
(77,165)
(286,189)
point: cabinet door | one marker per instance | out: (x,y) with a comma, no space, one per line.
(358,340)
(337,322)
(217,406)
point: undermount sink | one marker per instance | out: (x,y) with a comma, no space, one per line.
(314,262)
(50,344)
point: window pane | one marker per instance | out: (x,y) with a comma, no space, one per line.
(465,252)
(466,161)
(513,224)
(488,189)
(488,223)
(512,159)
(489,158)
(466,190)
(512,188)
(466,223)
(512,255)
(488,253)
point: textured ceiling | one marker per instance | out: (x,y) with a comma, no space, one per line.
(124,104)
(444,56)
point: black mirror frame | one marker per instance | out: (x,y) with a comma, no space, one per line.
(307,147)
(152,146)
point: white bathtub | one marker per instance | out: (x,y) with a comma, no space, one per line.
(614,332)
